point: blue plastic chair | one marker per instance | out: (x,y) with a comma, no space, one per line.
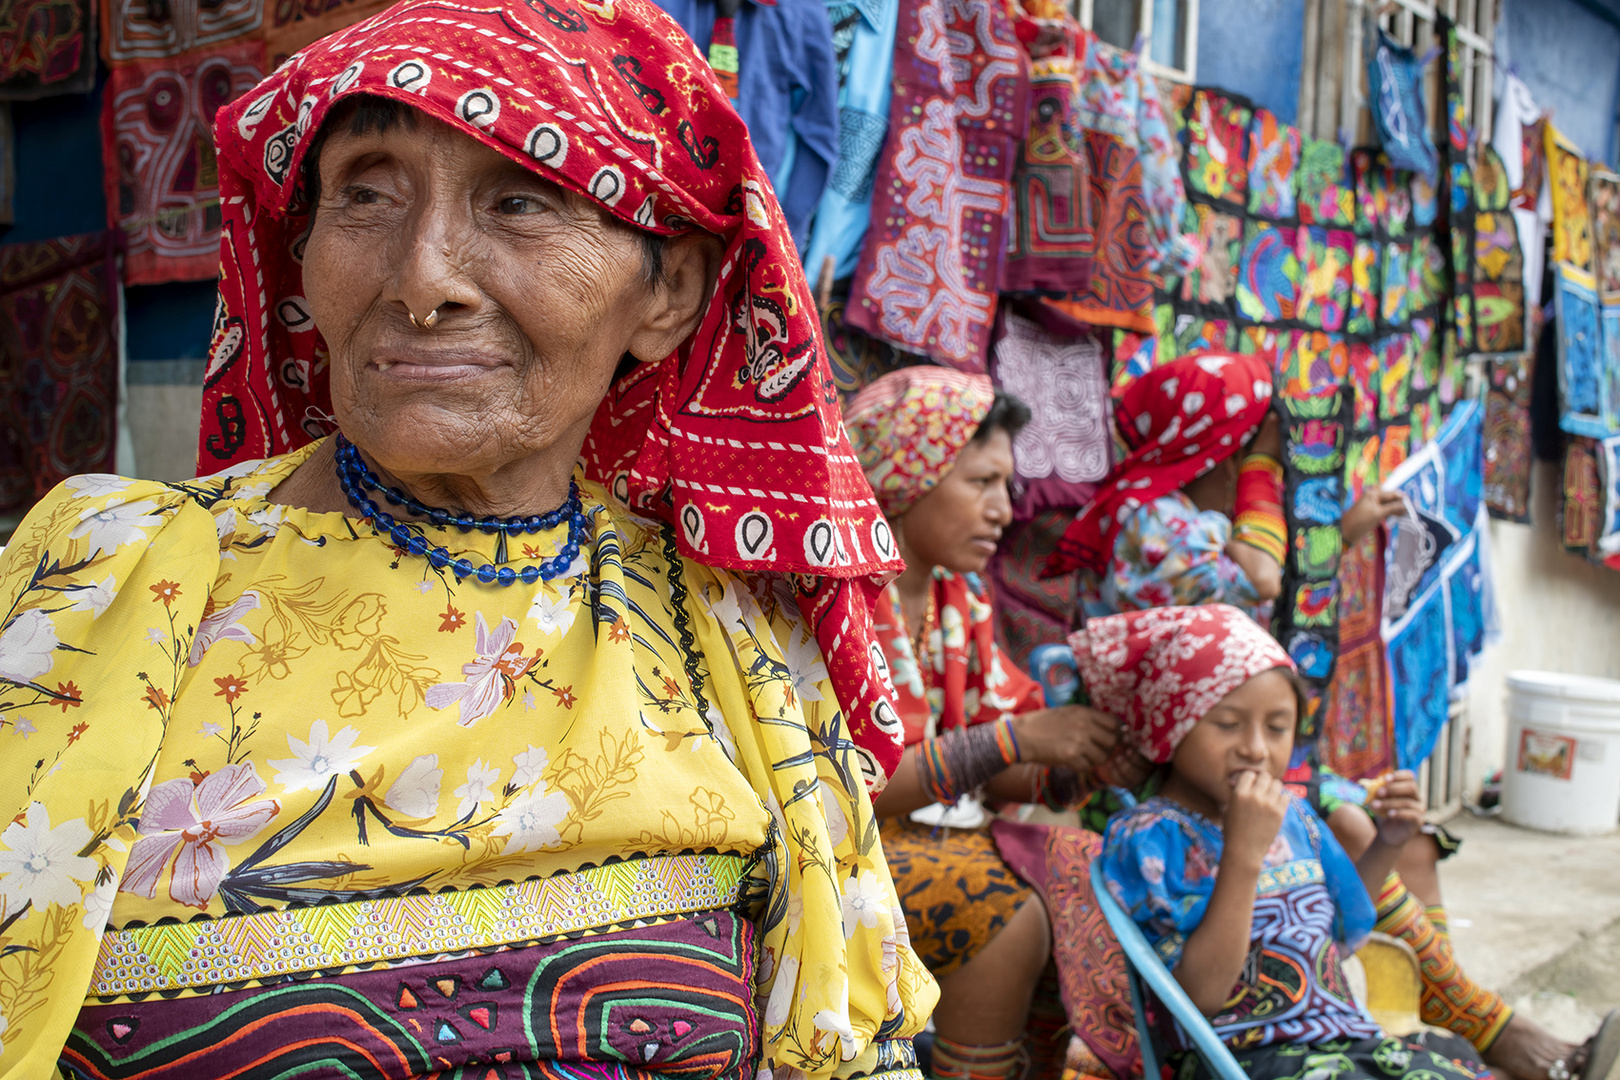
(1144,966)
(1054,668)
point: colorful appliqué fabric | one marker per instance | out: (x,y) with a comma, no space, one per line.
(47,47)
(1395,79)
(1356,739)
(1168,554)
(1268,273)
(162,180)
(1310,912)
(731,436)
(1216,131)
(1313,364)
(1212,281)
(1051,245)
(1582,495)
(294,773)
(1160,670)
(1274,151)
(1572,217)
(1177,422)
(1326,192)
(1605,195)
(1067,447)
(928,276)
(131,30)
(1031,609)
(1325,273)
(1120,292)
(1366,281)
(59,349)
(1580,352)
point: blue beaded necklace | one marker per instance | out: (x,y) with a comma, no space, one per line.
(356,479)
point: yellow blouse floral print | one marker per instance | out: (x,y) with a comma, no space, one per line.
(268,776)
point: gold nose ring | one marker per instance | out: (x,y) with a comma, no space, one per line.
(428,323)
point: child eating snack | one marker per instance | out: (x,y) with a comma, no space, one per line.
(1246,895)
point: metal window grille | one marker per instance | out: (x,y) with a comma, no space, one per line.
(1168,30)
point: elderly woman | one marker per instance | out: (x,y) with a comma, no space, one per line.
(988,908)
(408,750)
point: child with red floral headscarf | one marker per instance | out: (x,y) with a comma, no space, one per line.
(1241,888)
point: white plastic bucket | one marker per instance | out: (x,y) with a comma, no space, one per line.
(1563,753)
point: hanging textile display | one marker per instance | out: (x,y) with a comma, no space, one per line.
(1572,218)
(1356,738)
(1582,495)
(1608,541)
(1498,285)
(1067,447)
(1216,127)
(1459,219)
(1508,457)
(931,268)
(1274,149)
(59,353)
(1326,195)
(47,47)
(1437,608)
(291,24)
(1395,75)
(161,181)
(1052,243)
(1587,384)
(1605,202)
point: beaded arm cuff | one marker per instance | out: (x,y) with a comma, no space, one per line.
(964,759)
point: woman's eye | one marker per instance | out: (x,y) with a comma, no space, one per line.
(520,204)
(362,196)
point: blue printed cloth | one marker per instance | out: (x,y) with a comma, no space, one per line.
(787,87)
(1310,910)
(1395,74)
(1171,554)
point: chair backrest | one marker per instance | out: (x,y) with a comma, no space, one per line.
(1394,984)
(1146,966)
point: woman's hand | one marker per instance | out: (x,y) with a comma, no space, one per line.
(1375,505)
(1397,806)
(1254,816)
(1268,440)
(1125,768)
(1071,735)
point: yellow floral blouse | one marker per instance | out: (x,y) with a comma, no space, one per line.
(280,797)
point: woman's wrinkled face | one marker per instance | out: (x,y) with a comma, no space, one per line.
(958,524)
(540,295)
(1251,729)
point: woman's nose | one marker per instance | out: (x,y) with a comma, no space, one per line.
(998,507)
(433,268)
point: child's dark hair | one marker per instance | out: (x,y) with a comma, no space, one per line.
(1007,413)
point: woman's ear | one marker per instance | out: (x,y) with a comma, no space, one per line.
(680,296)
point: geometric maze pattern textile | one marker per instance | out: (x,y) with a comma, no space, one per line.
(1498,261)
(670,998)
(58,363)
(1356,740)
(47,47)
(1438,606)
(934,256)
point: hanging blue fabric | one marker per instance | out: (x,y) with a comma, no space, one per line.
(1395,76)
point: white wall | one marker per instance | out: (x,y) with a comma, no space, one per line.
(1558,613)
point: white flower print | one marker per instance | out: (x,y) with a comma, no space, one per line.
(416,792)
(116,526)
(424,586)
(24,727)
(482,780)
(726,610)
(96,597)
(862,899)
(98,904)
(898,937)
(269,519)
(321,757)
(27,646)
(531,820)
(156,636)
(225,524)
(39,864)
(491,676)
(805,666)
(837,1023)
(224,625)
(210,729)
(780,1003)
(1152,869)
(833,811)
(531,764)
(554,614)
(96,485)
(2,1032)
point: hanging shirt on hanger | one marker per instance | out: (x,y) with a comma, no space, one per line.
(787,92)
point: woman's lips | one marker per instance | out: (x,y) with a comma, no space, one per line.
(436,367)
(984,545)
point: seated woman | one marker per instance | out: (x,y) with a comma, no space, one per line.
(412,751)
(1231,877)
(936,445)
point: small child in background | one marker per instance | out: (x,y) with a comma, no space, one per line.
(1244,892)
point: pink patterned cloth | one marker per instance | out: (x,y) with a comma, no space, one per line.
(908,427)
(1159,671)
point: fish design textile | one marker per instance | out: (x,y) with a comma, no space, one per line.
(933,261)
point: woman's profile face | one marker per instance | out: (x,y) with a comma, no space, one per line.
(540,294)
(958,524)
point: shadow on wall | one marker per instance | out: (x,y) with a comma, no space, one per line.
(1558,613)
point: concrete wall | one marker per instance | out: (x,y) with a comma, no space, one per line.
(1568,53)
(1254,48)
(1558,611)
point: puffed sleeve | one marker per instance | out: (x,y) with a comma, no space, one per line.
(1170,554)
(842,991)
(103,584)
(1161,875)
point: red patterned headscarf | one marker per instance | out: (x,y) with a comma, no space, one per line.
(1179,421)
(908,427)
(735,438)
(1159,671)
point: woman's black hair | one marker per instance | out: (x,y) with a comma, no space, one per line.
(1007,413)
(368,112)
